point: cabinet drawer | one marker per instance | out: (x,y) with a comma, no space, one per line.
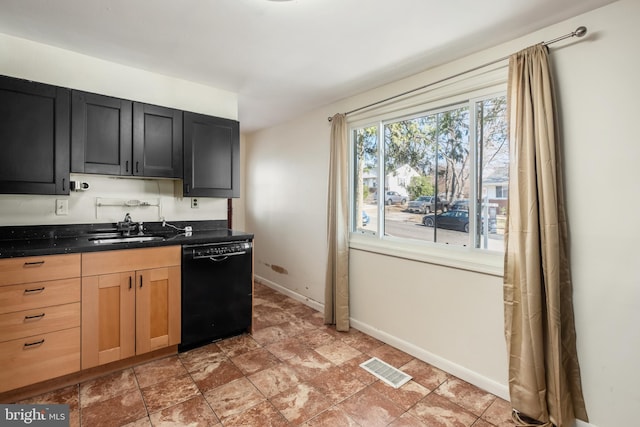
(28,296)
(40,321)
(38,358)
(95,263)
(36,269)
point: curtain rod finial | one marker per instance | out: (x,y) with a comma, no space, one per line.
(580,31)
(329,118)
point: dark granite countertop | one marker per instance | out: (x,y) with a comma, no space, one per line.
(20,241)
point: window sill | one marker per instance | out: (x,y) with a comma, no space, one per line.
(485,262)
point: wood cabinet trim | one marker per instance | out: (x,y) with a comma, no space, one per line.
(55,292)
(96,319)
(149,286)
(106,262)
(39,268)
(39,321)
(59,354)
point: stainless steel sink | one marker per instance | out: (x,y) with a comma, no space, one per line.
(126,239)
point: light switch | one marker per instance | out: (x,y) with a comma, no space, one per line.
(62,207)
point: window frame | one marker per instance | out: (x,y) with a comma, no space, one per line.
(446,97)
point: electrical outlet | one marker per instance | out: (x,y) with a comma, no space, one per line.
(194,202)
(62,207)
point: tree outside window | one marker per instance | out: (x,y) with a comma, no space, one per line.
(442,160)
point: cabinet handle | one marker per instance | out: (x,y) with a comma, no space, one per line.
(33,263)
(140,281)
(130,282)
(126,166)
(31,344)
(188,189)
(63,179)
(31,291)
(35,316)
(137,163)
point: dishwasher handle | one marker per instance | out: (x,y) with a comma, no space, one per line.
(219,258)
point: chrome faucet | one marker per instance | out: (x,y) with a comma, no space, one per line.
(126,225)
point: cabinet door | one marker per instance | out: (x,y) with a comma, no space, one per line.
(34,133)
(38,358)
(157,308)
(108,318)
(100,134)
(157,141)
(211,156)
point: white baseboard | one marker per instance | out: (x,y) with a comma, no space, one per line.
(459,371)
(579,423)
(288,292)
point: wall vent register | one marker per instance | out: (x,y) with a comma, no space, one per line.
(387,373)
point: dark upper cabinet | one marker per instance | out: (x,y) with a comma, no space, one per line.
(100,134)
(211,156)
(157,141)
(119,137)
(34,137)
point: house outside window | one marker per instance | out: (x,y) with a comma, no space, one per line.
(451,163)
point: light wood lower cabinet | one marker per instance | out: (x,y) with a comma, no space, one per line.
(55,321)
(157,308)
(108,318)
(39,319)
(130,303)
(38,358)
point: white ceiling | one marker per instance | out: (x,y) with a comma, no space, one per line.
(282,57)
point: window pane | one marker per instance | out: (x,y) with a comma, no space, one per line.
(493,172)
(452,226)
(427,162)
(427,191)
(409,152)
(366,179)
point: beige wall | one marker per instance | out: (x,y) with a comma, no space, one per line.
(34,61)
(453,318)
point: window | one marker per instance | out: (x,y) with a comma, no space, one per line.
(501,192)
(440,176)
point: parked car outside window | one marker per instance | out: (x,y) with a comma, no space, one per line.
(460,204)
(453,220)
(419,205)
(404,145)
(425,204)
(365,219)
(392,197)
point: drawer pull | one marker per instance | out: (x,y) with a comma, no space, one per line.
(31,344)
(34,263)
(35,316)
(31,291)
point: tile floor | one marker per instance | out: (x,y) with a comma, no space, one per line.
(293,371)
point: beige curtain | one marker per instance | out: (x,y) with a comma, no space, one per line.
(336,296)
(544,375)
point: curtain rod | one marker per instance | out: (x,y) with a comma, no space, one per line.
(579,32)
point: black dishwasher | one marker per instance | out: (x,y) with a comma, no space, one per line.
(216,291)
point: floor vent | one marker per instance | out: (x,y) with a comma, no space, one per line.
(387,373)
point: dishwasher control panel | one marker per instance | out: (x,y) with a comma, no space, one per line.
(218,249)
